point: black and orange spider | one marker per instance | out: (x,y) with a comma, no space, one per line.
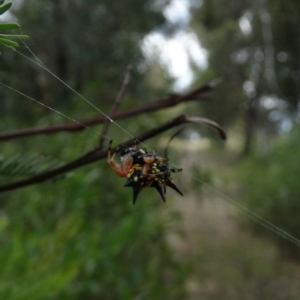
(142,170)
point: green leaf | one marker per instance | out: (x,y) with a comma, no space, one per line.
(10,47)
(5,7)
(1,2)
(8,26)
(7,42)
(14,36)
(46,284)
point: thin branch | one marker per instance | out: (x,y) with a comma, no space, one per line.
(208,122)
(171,100)
(115,106)
(95,155)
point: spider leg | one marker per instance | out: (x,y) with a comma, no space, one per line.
(120,170)
(110,156)
(174,170)
(145,170)
(135,141)
(109,150)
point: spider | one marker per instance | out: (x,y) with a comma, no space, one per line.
(142,170)
(129,157)
(159,177)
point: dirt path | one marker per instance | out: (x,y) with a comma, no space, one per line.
(227,260)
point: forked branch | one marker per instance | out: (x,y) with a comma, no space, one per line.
(96,155)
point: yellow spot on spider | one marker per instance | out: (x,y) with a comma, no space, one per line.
(135,179)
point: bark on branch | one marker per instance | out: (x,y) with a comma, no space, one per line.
(171,100)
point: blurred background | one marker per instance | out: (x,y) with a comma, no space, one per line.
(79,236)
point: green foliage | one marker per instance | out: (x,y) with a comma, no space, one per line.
(5,39)
(88,45)
(31,265)
(4,7)
(217,23)
(79,237)
(22,165)
(271,186)
(250,49)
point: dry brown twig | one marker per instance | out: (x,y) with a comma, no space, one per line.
(197,94)
(115,106)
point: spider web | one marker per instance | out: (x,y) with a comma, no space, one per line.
(243,209)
